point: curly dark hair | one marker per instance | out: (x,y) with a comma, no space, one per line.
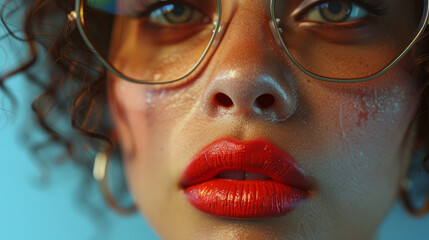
(76,87)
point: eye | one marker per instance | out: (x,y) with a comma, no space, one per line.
(174,14)
(335,12)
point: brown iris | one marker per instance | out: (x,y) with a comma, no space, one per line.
(177,13)
(335,12)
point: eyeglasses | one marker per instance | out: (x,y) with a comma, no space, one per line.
(163,41)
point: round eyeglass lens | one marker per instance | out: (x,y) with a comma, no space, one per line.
(150,40)
(348,39)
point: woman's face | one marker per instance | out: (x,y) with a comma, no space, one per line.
(352,142)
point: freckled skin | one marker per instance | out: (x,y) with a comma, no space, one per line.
(353,140)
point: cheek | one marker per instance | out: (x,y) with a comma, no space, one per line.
(376,118)
(147,121)
(371,126)
(141,113)
(127,102)
(372,114)
(359,143)
(145,118)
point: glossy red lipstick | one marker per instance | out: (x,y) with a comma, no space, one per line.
(252,179)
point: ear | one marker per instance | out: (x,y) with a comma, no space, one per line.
(415,179)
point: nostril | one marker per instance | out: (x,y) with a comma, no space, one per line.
(264,101)
(224,100)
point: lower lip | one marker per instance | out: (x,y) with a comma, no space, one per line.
(244,199)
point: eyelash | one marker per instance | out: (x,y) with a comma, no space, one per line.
(149,8)
(374,7)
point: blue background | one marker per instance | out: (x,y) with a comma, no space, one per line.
(33,209)
(33,206)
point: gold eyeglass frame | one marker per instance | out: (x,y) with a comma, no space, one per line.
(78,13)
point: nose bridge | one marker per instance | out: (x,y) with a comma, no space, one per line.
(249,25)
(247,72)
(247,33)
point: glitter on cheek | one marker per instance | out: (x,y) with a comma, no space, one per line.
(378,104)
(371,119)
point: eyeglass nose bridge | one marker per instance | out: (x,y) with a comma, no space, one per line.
(274,27)
(276,30)
(219,33)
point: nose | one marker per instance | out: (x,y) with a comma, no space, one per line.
(251,94)
(248,76)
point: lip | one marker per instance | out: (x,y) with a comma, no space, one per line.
(244,199)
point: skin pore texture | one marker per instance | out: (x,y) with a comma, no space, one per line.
(352,140)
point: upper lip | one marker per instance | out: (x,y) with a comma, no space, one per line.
(256,155)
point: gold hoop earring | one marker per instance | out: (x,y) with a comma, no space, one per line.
(405,186)
(101,173)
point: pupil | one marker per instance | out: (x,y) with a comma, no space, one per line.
(335,8)
(178,10)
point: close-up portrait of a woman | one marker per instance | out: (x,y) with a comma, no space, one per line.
(226,119)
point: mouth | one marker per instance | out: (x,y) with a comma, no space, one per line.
(244,180)
(242,175)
